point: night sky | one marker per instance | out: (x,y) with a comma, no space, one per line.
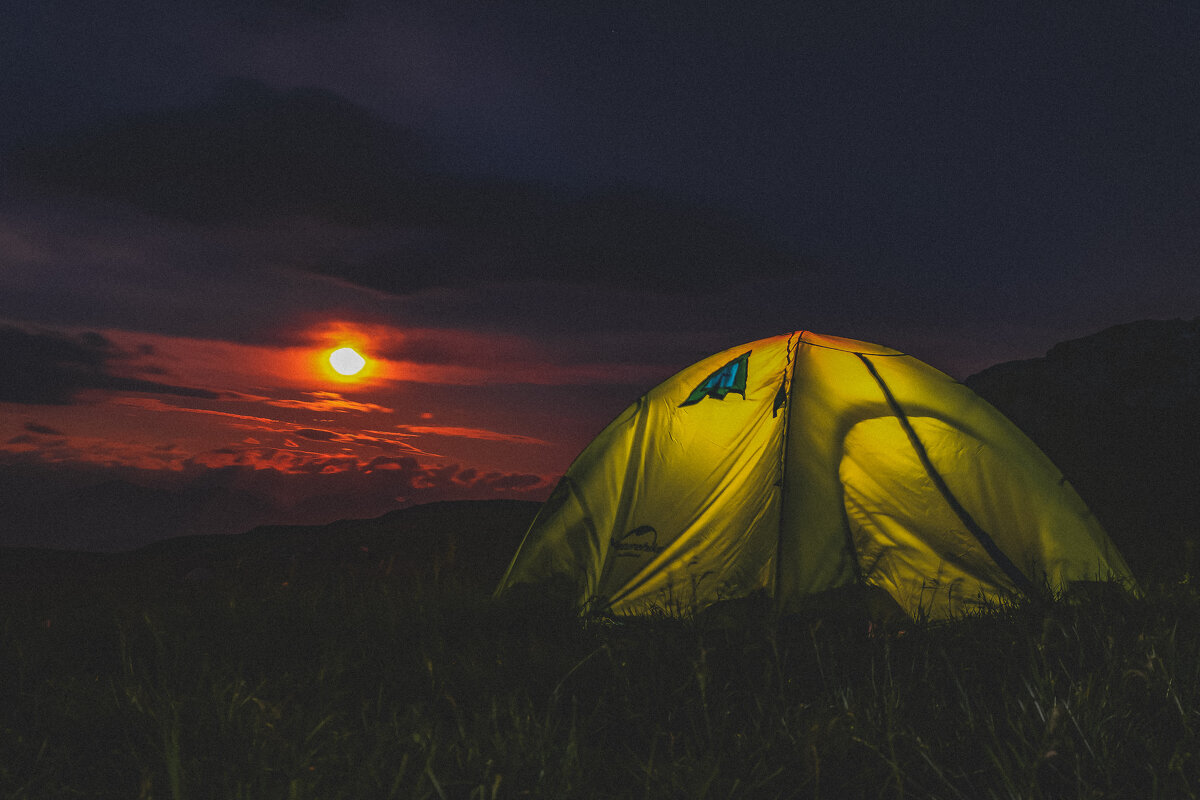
(524,215)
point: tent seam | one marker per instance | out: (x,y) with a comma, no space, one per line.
(789,375)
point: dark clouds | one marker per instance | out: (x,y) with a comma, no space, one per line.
(42,430)
(254,156)
(49,368)
(248,153)
(318,435)
(969,168)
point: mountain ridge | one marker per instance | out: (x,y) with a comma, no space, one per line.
(471,539)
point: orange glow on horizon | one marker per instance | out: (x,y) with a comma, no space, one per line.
(342,353)
(334,364)
(392,355)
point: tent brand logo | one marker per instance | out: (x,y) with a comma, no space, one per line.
(729,378)
(624,547)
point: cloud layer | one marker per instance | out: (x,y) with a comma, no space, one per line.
(49,368)
(255,156)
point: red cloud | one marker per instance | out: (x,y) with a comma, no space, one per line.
(154,404)
(328,401)
(469,433)
(404,474)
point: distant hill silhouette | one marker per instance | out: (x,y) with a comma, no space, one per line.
(41,508)
(1119,413)
(467,541)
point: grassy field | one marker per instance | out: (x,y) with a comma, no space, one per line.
(373,686)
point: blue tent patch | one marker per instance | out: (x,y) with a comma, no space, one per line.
(729,378)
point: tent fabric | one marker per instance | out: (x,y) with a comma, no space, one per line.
(803,463)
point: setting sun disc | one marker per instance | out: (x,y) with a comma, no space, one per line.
(346,361)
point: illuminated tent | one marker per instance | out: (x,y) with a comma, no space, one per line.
(803,463)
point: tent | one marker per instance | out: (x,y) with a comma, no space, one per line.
(803,463)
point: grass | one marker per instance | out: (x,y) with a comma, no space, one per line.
(377,687)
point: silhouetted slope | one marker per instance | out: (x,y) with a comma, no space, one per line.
(62,508)
(1119,413)
(466,541)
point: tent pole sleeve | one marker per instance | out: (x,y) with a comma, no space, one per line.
(989,544)
(789,374)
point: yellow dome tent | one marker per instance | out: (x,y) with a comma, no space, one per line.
(803,463)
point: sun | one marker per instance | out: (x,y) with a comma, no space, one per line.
(346,361)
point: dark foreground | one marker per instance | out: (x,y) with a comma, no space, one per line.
(361,685)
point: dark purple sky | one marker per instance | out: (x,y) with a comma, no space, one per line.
(527,215)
